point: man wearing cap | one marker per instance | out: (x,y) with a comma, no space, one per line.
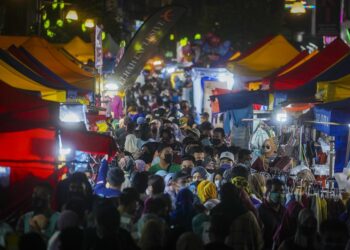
(165,153)
(226,160)
(109,181)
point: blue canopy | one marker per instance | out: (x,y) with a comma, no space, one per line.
(242,99)
(335,112)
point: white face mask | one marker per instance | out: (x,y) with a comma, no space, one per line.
(148,191)
(218,183)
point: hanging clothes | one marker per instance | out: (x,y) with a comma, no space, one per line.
(117,107)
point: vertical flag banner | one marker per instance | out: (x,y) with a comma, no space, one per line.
(98,49)
(145,43)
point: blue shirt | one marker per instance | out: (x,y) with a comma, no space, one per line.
(100,188)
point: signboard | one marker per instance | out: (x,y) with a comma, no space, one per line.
(98,49)
(145,43)
(328,17)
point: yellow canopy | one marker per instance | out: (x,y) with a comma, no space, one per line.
(7,41)
(15,79)
(265,59)
(80,50)
(58,63)
(331,91)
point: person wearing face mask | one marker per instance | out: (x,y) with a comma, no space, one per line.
(218,140)
(165,153)
(187,163)
(218,180)
(268,150)
(244,158)
(226,161)
(42,219)
(271,210)
(198,153)
(206,133)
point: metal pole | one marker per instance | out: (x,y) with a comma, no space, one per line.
(347,149)
(313,19)
(332,157)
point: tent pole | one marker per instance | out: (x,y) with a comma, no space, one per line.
(347,149)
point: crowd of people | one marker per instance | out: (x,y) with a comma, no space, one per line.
(175,183)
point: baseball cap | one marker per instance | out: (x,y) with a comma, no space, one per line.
(227,155)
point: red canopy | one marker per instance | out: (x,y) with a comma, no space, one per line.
(25,108)
(313,67)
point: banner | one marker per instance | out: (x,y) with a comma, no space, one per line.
(145,43)
(98,49)
(328,17)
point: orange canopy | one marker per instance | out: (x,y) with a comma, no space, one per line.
(58,63)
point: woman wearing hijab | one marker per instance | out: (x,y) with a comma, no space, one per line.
(207,194)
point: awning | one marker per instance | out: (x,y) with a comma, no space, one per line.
(11,76)
(27,59)
(331,91)
(58,63)
(89,142)
(241,99)
(313,68)
(25,109)
(265,58)
(7,41)
(80,50)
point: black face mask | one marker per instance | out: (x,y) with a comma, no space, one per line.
(210,171)
(168,158)
(199,163)
(147,158)
(215,141)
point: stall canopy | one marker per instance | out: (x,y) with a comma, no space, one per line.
(264,59)
(27,59)
(22,109)
(58,63)
(7,41)
(332,119)
(312,68)
(331,91)
(241,99)
(11,76)
(80,49)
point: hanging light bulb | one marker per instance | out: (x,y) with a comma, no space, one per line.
(89,23)
(298,8)
(72,15)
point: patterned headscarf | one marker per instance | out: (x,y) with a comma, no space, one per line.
(206,190)
(241,182)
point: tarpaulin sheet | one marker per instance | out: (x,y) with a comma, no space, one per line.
(33,148)
(89,142)
(58,63)
(14,63)
(25,107)
(330,91)
(242,99)
(308,90)
(265,59)
(11,76)
(311,69)
(79,49)
(26,58)
(7,41)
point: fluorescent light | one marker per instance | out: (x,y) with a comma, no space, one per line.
(111,86)
(157,63)
(281,117)
(65,151)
